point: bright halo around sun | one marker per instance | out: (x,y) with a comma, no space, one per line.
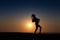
(30,25)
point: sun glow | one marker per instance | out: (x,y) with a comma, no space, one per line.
(30,25)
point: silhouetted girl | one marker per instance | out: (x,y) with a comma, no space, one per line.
(36,20)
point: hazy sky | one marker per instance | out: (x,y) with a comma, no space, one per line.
(15,14)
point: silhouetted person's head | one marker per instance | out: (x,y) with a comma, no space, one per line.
(33,15)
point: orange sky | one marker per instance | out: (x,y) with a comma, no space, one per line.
(20,25)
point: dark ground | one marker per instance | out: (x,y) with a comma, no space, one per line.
(28,36)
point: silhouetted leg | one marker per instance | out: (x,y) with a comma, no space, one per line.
(36,29)
(40,28)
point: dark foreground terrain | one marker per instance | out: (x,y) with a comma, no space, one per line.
(28,36)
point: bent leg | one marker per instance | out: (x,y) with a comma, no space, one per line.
(36,29)
(40,28)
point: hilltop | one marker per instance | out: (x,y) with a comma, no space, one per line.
(27,36)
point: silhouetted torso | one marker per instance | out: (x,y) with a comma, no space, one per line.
(36,20)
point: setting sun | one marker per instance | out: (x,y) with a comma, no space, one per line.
(30,25)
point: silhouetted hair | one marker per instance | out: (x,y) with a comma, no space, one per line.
(33,15)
